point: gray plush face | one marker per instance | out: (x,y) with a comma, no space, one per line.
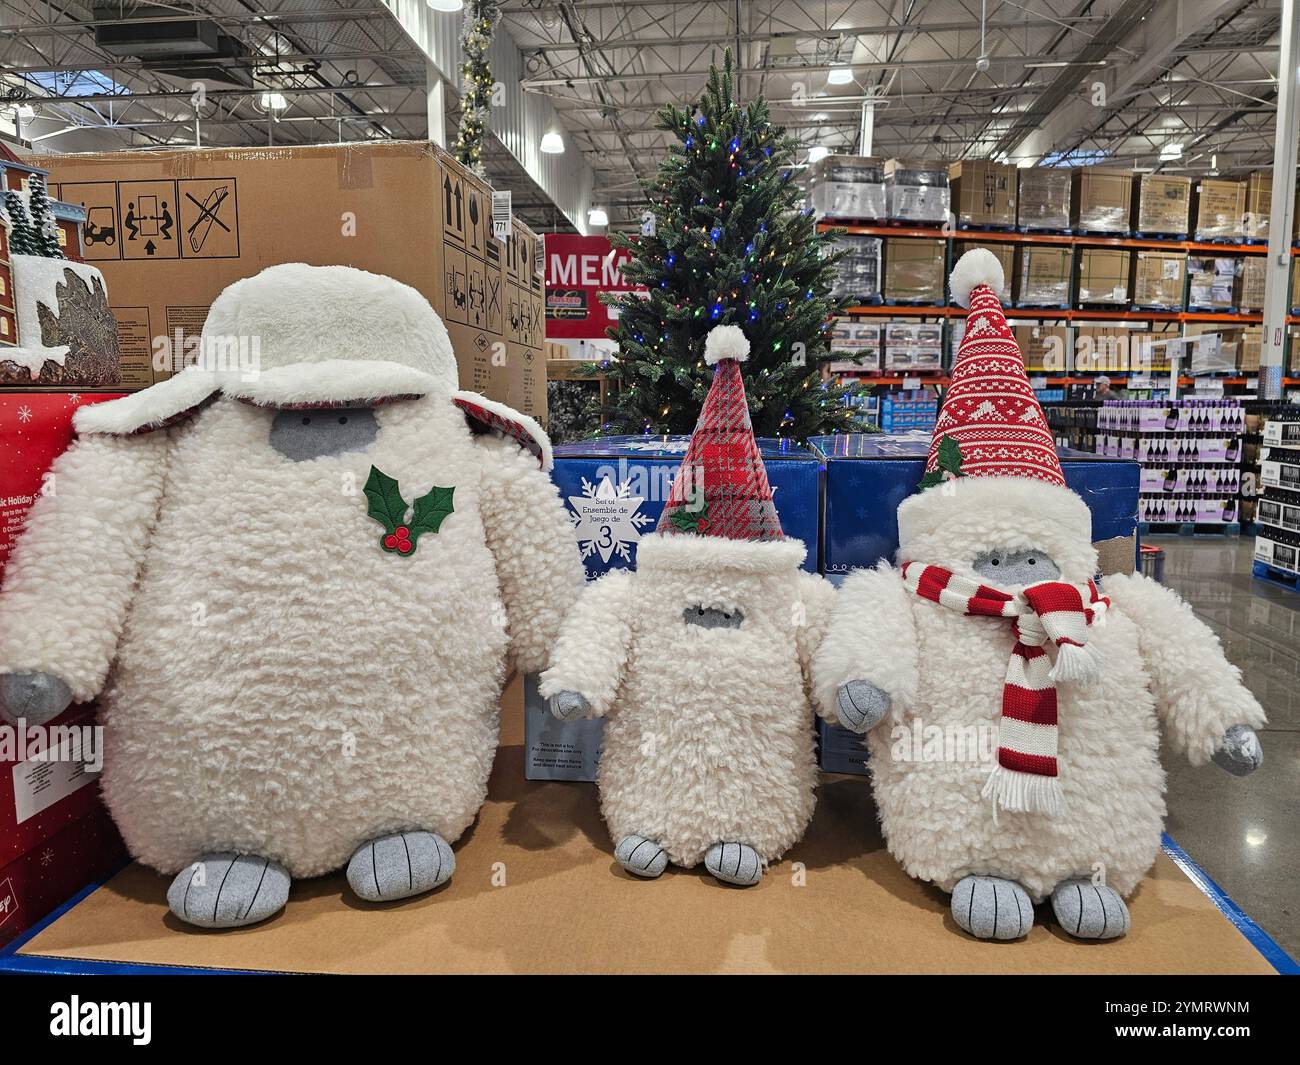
(1016,568)
(708,617)
(303,435)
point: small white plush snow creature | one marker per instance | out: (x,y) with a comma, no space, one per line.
(700,659)
(293,580)
(992,625)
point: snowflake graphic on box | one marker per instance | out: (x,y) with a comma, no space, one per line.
(24,414)
(607,519)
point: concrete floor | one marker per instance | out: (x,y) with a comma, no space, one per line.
(1244,832)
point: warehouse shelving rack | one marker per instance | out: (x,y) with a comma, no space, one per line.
(1067,316)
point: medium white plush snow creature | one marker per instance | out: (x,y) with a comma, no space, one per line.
(294,585)
(700,658)
(992,633)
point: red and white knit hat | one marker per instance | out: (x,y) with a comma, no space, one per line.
(991,423)
(721,489)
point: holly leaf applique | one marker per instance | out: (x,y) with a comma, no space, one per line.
(948,462)
(387,506)
(692,520)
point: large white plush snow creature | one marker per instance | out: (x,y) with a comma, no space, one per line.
(293,578)
(992,632)
(700,659)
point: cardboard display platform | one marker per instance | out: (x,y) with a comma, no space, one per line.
(537,890)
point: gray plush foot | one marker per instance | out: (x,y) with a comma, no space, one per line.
(401,865)
(734,863)
(641,857)
(1090,911)
(568,706)
(860,705)
(33,697)
(1241,753)
(228,891)
(989,907)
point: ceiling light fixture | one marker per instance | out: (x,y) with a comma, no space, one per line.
(552,143)
(273,101)
(818,152)
(445,5)
(1171,151)
(597,217)
(840,76)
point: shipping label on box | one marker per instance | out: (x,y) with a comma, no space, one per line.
(615,489)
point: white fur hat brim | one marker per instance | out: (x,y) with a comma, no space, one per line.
(338,383)
(949,524)
(710,555)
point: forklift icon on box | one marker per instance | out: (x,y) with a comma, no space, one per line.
(100,227)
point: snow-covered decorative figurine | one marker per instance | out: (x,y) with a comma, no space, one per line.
(66,332)
(294,572)
(700,658)
(993,629)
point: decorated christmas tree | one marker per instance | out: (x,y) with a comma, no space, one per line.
(726,244)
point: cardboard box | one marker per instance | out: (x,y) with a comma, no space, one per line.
(1101,199)
(1043,276)
(1043,201)
(405,209)
(867,476)
(914,270)
(1251,281)
(1158,279)
(1220,209)
(1006,255)
(1104,275)
(1044,347)
(615,488)
(1211,282)
(55,836)
(857,346)
(983,192)
(847,186)
(916,190)
(1259,204)
(1163,205)
(857,273)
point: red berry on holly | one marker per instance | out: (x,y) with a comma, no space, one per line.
(390,541)
(403,533)
(404,547)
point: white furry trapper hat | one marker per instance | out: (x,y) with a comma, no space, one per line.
(992,479)
(302,336)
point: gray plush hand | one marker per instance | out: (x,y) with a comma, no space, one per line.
(34,697)
(1241,753)
(860,705)
(568,706)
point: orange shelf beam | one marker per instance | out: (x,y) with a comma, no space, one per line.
(1068,315)
(1089,240)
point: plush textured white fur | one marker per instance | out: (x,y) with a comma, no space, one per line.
(282,686)
(709,736)
(949,524)
(943,669)
(726,342)
(149,408)
(315,314)
(979,266)
(339,381)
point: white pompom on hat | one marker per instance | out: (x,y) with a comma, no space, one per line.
(725,342)
(979,266)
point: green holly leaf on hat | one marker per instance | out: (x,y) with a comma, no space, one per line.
(387,506)
(692,520)
(948,461)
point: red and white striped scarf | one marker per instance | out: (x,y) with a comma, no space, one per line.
(1054,614)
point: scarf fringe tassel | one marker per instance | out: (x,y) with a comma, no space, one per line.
(1077,665)
(1024,792)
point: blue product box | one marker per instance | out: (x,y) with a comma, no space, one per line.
(868,476)
(615,488)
